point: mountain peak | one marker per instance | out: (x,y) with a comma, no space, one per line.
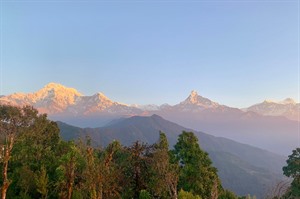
(194,93)
(284,102)
(155,116)
(287,108)
(101,96)
(196,100)
(193,97)
(55,87)
(288,101)
(268,101)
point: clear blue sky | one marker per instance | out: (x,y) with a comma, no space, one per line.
(234,52)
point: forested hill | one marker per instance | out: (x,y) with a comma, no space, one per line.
(252,170)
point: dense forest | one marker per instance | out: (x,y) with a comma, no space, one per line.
(37,163)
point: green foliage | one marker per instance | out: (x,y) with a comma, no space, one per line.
(226,194)
(187,195)
(70,167)
(144,194)
(41,165)
(197,174)
(293,170)
(136,168)
(29,140)
(293,165)
(164,174)
(41,182)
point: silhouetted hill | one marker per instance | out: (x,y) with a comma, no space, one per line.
(242,168)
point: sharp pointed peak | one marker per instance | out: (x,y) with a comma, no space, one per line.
(194,93)
(194,97)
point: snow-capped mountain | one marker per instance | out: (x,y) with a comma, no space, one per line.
(287,108)
(195,103)
(56,99)
(196,100)
(276,134)
(53,98)
(147,107)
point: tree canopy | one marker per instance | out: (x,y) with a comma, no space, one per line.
(196,173)
(293,170)
(37,163)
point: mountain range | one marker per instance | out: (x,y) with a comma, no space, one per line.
(287,108)
(242,168)
(269,125)
(55,99)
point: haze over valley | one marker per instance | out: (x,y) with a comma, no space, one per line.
(275,130)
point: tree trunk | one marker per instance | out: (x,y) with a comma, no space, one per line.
(7,150)
(174,191)
(175,195)
(4,189)
(71,178)
(70,189)
(5,184)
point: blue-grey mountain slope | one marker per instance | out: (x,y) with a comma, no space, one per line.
(242,168)
(274,133)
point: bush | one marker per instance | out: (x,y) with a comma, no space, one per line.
(187,195)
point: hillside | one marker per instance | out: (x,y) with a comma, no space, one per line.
(257,169)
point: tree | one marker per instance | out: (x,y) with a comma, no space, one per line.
(35,151)
(227,195)
(41,181)
(14,121)
(69,170)
(293,170)
(112,172)
(164,178)
(137,171)
(197,175)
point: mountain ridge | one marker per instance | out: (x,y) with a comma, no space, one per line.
(55,98)
(288,108)
(227,155)
(274,133)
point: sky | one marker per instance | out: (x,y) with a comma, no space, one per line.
(237,52)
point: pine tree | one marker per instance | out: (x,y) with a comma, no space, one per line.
(197,175)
